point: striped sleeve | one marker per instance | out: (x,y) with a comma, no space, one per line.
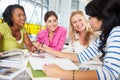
(111,65)
(90,52)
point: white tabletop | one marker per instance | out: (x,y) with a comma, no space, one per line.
(24,60)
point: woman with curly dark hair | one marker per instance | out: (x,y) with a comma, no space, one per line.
(12,32)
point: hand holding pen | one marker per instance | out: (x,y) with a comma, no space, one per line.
(38,51)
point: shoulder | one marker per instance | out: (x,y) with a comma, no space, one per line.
(114,34)
(115,31)
(116,28)
(62,28)
(43,32)
(2,25)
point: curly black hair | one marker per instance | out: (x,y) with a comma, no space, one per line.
(7,14)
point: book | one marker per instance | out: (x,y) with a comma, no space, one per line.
(36,63)
(9,73)
(12,53)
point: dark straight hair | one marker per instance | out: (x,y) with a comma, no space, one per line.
(48,14)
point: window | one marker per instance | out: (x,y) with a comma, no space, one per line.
(35,9)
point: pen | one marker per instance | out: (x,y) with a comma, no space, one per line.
(41,46)
(42,43)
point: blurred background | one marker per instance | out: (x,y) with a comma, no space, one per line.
(35,10)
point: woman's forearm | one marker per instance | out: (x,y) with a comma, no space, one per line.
(85,75)
(79,75)
(60,54)
(28,43)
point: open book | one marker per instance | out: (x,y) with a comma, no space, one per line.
(12,53)
(8,73)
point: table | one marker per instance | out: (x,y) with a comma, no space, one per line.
(21,63)
(29,70)
(27,73)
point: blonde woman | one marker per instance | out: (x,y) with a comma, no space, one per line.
(80,33)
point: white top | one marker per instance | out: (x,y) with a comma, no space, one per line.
(76,47)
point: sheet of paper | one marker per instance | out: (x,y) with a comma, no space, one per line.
(43,55)
(37,63)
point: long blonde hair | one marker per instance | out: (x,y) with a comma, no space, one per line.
(73,32)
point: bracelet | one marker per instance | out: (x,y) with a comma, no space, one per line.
(73,74)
